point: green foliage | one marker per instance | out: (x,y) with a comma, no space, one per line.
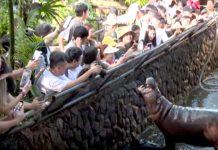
(25,45)
(4,23)
(50,10)
(47,11)
(140,2)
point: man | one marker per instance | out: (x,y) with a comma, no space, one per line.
(79,38)
(81,11)
(55,80)
(73,57)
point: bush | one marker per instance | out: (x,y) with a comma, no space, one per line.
(140,2)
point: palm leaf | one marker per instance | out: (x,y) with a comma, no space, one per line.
(50,10)
(25,45)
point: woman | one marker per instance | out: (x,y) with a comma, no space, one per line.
(8,103)
(149,40)
(109,57)
(126,41)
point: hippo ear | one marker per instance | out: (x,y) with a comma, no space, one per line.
(151,82)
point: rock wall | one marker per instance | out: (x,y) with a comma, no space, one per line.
(116,115)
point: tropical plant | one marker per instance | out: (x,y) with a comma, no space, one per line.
(50,9)
(4,23)
(25,44)
(140,2)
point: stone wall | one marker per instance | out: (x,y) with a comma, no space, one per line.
(116,115)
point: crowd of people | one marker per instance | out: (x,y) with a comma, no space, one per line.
(80,55)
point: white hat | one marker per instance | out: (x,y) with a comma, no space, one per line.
(111,20)
(110,50)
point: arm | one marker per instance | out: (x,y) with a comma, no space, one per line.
(50,37)
(122,60)
(6,125)
(61,43)
(34,105)
(93,70)
(14,101)
(17,74)
(18,117)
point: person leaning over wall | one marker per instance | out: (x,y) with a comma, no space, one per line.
(126,44)
(55,80)
(74,58)
(12,107)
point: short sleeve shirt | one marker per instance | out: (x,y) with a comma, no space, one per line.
(66,33)
(73,73)
(50,83)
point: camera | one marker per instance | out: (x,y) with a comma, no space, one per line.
(25,77)
(149,45)
(18,106)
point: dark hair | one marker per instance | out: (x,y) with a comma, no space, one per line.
(73,53)
(5,42)
(151,8)
(80,8)
(43,29)
(56,58)
(135,27)
(43,48)
(80,31)
(163,21)
(11,86)
(89,55)
(162,8)
(146,39)
(4,68)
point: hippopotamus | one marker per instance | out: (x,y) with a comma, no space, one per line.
(195,126)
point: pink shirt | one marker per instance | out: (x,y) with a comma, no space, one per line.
(193,4)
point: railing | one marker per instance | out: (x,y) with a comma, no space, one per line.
(81,92)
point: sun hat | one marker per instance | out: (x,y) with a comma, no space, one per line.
(108,40)
(111,20)
(121,31)
(110,50)
(5,70)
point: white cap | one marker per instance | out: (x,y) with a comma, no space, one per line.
(110,50)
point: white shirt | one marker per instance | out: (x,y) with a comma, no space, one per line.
(73,73)
(49,83)
(161,36)
(70,44)
(142,32)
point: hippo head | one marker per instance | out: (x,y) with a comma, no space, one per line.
(150,93)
